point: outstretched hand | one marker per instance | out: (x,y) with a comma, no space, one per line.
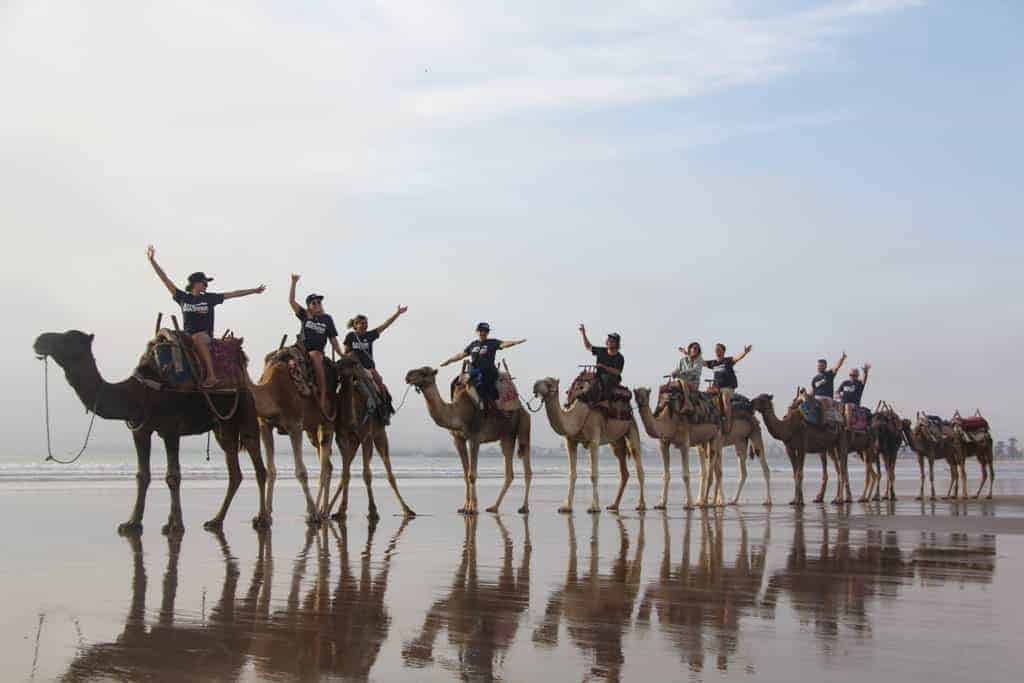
(444,363)
(402,309)
(867,366)
(748,348)
(151,252)
(295,277)
(583,328)
(262,288)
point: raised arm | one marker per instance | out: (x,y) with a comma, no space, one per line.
(867,369)
(455,359)
(511,343)
(746,349)
(586,342)
(291,294)
(244,292)
(151,255)
(842,359)
(394,316)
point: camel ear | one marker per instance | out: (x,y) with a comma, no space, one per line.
(91,337)
(770,396)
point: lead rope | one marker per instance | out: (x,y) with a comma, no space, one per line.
(46,401)
(404,396)
(528,406)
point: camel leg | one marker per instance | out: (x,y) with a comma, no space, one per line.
(962,465)
(348,454)
(666,463)
(619,449)
(984,477)
(920,465)
(295,436)
(323,493)
(741,454)
(876,463)
(527,480)
(716,455)
(633,448)
(380,440)
(686,476)
(571,448)
(371,504)
(953,481)
(844,463)
(460,446)
(228,441)
(702,485)
(508,452)
(866,493)
(175,524)
(820,498)
(252,447)
(890,471)
(758,446)
(267,440)
(474,453)
(991,475)
(595,505)
(143,449)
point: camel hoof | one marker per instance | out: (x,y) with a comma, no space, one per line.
(594,511)
(819,499)
(609,508)
(408,512)
(174,529)
(372,515)
(767,503)
(859,500)
(339,516)
(918,498)
(216,524)
(641,508)
(129,528)
(524,510)
(988,497)
(733,503)
(461,511)
(313,519)
(565,510)
(492,509)
(659,506)
(262,521)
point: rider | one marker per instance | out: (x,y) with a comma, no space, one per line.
(317,328)
(851,390)
(725,382)
(823,383)
(690,366)
(484,372)
(359,346)
(609,366)
(197,306)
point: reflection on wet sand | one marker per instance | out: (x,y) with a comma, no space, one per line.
(481,616)
(598,608)
(700,606)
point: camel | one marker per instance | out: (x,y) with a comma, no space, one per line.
(481,615)
(673,429)
(581,424)
(169,414)
(967,446)
(280,405)
(863,444)
(469,430)
(921,441)
(355,427)
(800,439)
(701,604)
(888,430)
(598,607)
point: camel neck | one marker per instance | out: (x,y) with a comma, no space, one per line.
(779,429)
(442,412)
(96,394)
(660,427)
(567,423)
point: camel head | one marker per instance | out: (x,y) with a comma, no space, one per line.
(762,402)
(546,388)
(421,378)
(642,396)
(66,348)
(346,367)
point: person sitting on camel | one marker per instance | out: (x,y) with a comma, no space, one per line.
(851,390)
(609,366)
(823,383)
(358,345)
(725,383)
(317,329)
(483,372)
(197,306)
(690,366)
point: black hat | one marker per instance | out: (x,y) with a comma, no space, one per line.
(198,276)
(483,327)
(615,336)
(314,297)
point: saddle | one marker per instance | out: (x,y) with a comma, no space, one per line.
(860,419)
(934,427)
(821,413)
(508,396)
(741,405)
(972,429)
(171,361)
(300,369)
(615,407)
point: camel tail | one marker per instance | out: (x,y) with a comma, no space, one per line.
(523,435)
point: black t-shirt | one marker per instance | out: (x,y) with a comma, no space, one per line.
(824,383)
(725,376)
(362,346)
(851,390)
(197,310)
(482,354)
(316,330)
(618,361)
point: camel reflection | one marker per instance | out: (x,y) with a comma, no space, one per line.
(699,607)
(959,558)
(598,608)
(480,616)
(318,631)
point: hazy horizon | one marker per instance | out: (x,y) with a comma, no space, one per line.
(806,177)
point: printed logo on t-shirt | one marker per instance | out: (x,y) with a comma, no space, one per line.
(316,327)
(202,308)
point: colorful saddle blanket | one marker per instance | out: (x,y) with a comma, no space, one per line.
(972,424)
(704,406)
(616,408)
(821,412)
(860,419)
(171,360)
(971,429)
(741,404)
(508,395)
(299,368)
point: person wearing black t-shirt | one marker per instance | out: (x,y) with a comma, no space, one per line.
(609,363)
(823,383)
(197,306)
(851,390)
(483,366)
(725,382)
(359,346)
(317,329)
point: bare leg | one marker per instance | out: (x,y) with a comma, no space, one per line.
(228,440)
(380,440)
(143,448)
(571,448)
(325,437)
(175,525)
(252,447)
(666,462)
(202,346)
(508,452)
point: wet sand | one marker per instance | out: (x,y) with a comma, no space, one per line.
(915,591)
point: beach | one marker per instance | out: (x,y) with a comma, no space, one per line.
(916,590)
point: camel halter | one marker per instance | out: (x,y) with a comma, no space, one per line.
(46,402)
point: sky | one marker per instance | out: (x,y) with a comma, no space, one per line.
(806,177)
